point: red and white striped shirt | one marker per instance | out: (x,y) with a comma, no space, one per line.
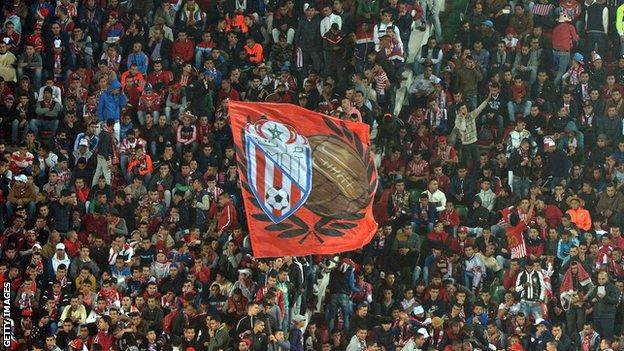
(435,118)
(417,169)
(381,82)
(20,162)
(542,9)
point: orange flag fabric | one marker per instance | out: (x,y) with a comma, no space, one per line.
(308,180)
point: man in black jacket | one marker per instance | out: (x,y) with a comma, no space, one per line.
(557,163)
(62,212)
(564,342)
(308,38)
(159,47)
(604,298)
(104,153)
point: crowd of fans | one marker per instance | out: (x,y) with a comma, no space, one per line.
(122,219)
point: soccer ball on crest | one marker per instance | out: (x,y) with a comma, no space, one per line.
(277,198)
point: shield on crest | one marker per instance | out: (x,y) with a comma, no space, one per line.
(279,167)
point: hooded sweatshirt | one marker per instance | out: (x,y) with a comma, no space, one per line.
(57,262)
(110,104)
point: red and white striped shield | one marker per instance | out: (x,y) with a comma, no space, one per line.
(279,167)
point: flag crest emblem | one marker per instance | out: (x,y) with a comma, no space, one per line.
(279,167)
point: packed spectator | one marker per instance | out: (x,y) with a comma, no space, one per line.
(498,139)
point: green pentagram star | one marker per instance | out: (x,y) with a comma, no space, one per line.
(275,133)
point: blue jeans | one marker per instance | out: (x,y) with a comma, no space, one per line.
(468,278)
(563,57)
(437,27)
(470,153)
(35,124)
(531,308)
(419,68)
(31,207)
(199,58)
(141,116)
(471,101)
(123,164)
(475,232)
(153,149)
(498,230)
(521,186)
(530,74)
(513,108)
(416,274)
(344,302)
(433,18)
(15,127)
(556,181)
(597,42)
(500,123)
(35,74)
(604,326)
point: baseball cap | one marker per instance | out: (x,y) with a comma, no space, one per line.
(299,318)
(245,271)
(423,332)
(60,246)
(21,178)
(418,310)
(578,57)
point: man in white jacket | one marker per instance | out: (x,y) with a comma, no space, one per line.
(380,29)
(436,196)
(487,196)
(329,18)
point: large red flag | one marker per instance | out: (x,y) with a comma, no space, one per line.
(308,179)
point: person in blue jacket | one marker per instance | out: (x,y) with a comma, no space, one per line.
(110,104)
(139,58)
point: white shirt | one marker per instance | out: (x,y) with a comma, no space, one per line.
(56,94)
(327,22)
(380,30)
(437,197)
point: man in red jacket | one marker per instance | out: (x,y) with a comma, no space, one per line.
(552,213)
(227,217)
(183,49)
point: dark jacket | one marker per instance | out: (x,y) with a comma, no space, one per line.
(464,186)
(153,317)
(432,215)
(308,34)
(165,48)
(565,343)
(62,216)
(611,127)
(557,164)
(515,164)
(105,145)
(478,217)
(605,308)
